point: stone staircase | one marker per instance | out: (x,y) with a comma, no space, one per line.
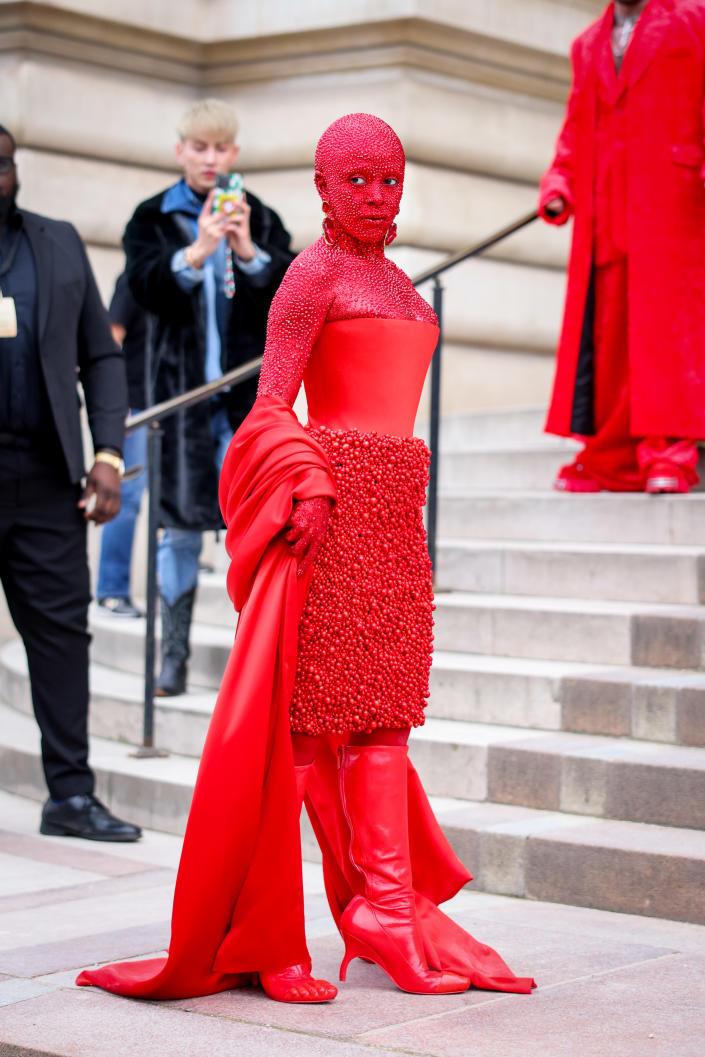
(565,744)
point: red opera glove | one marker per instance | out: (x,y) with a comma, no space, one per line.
(306,529)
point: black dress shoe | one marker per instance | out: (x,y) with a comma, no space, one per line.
(84,816)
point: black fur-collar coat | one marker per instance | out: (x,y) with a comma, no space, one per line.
(177,348)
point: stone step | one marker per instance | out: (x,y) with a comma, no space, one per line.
(119,644)
(587,518)
(521,468)
(634,781)
(540,627)
(464,622)
(637,572)
(649,704)
(629,867)
(154,792)
(569,629)
(497,428)
(612,572)
(626,867)
(616,778)
(117,705)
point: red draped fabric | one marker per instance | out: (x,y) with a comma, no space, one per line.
(238,903)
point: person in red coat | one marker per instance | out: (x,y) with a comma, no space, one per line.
(629,166)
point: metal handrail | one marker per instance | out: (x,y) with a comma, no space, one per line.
(194,396)
(474,251)
(153,416)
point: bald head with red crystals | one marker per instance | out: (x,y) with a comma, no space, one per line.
(360,176)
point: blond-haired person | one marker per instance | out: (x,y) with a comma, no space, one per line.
(182,262)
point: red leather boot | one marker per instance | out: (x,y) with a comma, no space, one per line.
(380,925)
(296,984)
(301,776)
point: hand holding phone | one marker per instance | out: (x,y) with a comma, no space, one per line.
(230,201)
(229,193)
(211,228)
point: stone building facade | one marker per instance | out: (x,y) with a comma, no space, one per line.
(93,90)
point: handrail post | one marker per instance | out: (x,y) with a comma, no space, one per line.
(435,426)
(154,474)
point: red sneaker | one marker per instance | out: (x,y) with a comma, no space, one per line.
(575,478)
(666,477)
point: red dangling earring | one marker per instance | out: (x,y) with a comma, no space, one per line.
(391,235)
(327,225)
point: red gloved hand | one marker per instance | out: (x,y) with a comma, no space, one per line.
(555,211)
(306,530)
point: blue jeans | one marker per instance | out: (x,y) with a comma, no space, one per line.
(180,549)
(118,535)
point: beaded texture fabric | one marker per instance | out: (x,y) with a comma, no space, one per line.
(365,638)
(366,634)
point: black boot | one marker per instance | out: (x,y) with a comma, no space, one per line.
(176,626)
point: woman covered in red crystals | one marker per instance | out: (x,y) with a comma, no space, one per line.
(330,665)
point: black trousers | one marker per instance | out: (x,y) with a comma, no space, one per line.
(44,573)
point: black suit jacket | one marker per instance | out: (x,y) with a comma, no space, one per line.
(75,343)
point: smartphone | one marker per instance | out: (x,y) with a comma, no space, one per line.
(228,192)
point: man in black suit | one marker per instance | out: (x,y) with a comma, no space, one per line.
(54,332)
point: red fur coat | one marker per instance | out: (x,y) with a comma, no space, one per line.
(630,162)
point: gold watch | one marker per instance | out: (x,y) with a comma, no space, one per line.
(111,459)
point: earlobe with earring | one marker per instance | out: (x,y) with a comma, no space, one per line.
(391,235)
(327,225)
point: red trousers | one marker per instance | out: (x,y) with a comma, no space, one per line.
(613,457)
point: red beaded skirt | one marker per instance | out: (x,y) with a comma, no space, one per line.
(366,633)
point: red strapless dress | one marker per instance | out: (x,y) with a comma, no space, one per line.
(366,634)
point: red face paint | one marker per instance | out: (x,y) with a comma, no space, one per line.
(360,176)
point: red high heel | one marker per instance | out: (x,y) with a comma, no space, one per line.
(296,984)
(380,926)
